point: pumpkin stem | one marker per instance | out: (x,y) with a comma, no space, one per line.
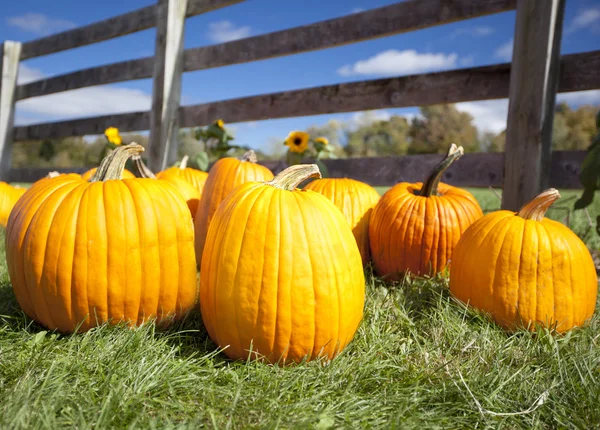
(184,162)
(536,208)
(52,174)
(112,166)
(141,167)
(249,156)
(294,175)
(430,188)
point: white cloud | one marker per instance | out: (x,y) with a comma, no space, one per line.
(357,10)
(467,61)
(585,18)
(91,101)
(39,24)
(591,97)
(505,51)
(480,31)
(393,62)
(226,31)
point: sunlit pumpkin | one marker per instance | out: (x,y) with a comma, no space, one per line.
(415,226)
(8,197)
(104,250)
(281,274)
(86,176)
(194,176)
(356,200)
(525,269)
(223,177)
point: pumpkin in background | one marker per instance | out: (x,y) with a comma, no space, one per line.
(223,177)
(105,250)
(356,200)
(525,269)
(86,176)
(281,273)
(415,226)
(194,176)
(8,197)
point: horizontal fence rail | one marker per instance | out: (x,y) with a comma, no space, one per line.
(385,21)
(473,170)
(578,72)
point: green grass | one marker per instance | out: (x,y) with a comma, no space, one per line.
(419,360)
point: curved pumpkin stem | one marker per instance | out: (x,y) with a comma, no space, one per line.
(141,167)
(184,162)
(52,174)
(536,208)
(112,166)
(430,188)
(249,156)
(293,176)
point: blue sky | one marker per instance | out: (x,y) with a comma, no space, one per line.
(476,42)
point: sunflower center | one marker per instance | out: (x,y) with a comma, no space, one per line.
(297,141)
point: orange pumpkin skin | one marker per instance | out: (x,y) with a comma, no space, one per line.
(356,200)
(8,197)
(194,176)
(223,177)
(525,272)
(86,176)
(189,192)
(281,276)
(91,252)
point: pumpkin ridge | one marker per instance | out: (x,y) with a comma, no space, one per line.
(500,231)
(406,239)
(547,319)
(396,224)
(274,223)
(521,241)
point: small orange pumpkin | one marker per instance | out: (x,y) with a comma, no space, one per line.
(194,176)
(415,226)
(8,197)
(281,273)
(356,200)
(525,269)
(82,252)
(86,176)
(223,177)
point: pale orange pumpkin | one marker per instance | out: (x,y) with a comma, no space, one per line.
(86,176)
(194,176)
(281,277)
(8,197)
(525,269)
(356,200)
(82,252)
(223,177)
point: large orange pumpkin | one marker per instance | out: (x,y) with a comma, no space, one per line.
(525,269)
(223,177)
(105,250)
(281,273)
(86,176)
(356,200)
(415,226)
(8,197)
(194,176)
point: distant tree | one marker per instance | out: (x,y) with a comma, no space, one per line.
(379,138)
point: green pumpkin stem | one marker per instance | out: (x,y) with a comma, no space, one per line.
(112,166)
(430,188)
(249,156)
(293,176)
(184,162)
(141,167)
(536,208)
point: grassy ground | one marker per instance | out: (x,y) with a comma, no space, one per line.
(419,360)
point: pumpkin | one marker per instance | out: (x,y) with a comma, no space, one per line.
(281,277)
(8,197)
(83,253)
(356,200)
(194,176)
(525,269)
(226,174)
(415,226)
(86,176)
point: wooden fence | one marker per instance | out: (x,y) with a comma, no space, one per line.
(537,72)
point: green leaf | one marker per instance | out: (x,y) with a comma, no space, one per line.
(294,158)
(39,337)
(201,160)
(590,172)
(322,168)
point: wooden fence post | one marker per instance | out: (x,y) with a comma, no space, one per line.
(9,66)
(532,95)
(166,90)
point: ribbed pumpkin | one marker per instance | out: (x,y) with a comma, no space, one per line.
(86,176)
(8,197)
(281,273)
(356,200)
(223,177)
(105,250)
(194,176)
(525,269)
(415,226)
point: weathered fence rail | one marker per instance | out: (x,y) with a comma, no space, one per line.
(537,37)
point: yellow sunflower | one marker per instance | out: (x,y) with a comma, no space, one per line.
(219,123)
(322,140)
(113,136)
(297,141)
